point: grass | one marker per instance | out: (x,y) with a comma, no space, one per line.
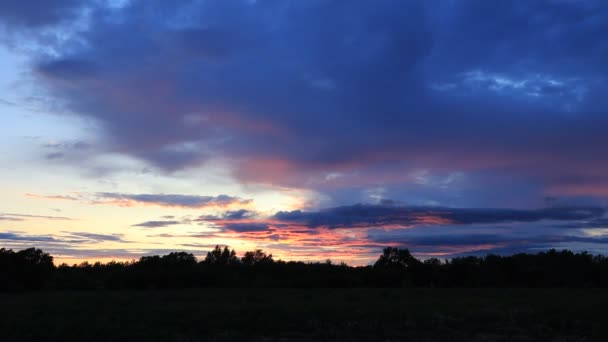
(307,315)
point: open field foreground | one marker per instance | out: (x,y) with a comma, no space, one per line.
(307,315)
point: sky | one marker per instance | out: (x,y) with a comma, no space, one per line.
(310,129)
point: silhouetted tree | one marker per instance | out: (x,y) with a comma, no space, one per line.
(219,256)
(396,257)
(179,259)
(256,257)
(27,269)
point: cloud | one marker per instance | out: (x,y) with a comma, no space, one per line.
(7,103)
(241,220)
(26,238)
(365,215)
(171,200)
(39,12)
(246,227)
(74,197)
(66,238)
(67,69)
(451,245)
(488,239)
(459,87)
(163,200)
(95,237)
(54,155)
(363,229)
(67,145)
(358,232)
(240,214)
(9,218)
(20,217)
(157,224)
(85,245)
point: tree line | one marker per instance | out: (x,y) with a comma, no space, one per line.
(32,269)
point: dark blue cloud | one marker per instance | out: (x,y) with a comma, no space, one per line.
(239,214)
(364,215)
(246,227)
(39,12)
(231,216)
(348,95)
(455,240)
(481,239)
(67,69)
(27,238)
(68,238)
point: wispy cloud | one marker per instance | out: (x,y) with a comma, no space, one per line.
(162,200)
(71,197)
(68,238)
(20,217)
(26,238)
(228,215)
(157,224)
(95,237)
(171,200)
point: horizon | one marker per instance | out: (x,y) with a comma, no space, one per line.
(202,258)
(312,130)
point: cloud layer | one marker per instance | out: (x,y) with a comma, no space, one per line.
(282,88)
(468,115)
(363,229)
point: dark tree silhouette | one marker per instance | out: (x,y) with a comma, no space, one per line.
(257,257)
(219,256)
(32,269)
(27,269)
(179,258)
(397,258)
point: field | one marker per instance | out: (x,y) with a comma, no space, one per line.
(307,315)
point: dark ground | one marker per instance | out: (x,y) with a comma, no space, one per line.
(307,315)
